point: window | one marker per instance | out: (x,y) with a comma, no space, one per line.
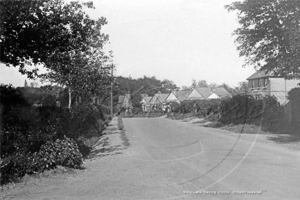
(266,82)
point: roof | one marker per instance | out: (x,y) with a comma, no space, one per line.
(121,99)
(259,74)
(124,101)
(162,97)
(147,99)
(204,91)
(159,98)
(221,92)
(181,95)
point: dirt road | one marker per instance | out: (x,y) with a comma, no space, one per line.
(159,158)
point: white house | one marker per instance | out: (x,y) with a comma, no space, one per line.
(262,83)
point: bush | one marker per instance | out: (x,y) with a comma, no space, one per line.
(63,152)
(16,166)
(294,98)
(245,109)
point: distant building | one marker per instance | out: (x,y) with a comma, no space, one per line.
(158,101)
(146,103)
(199,93)
(124,102)
(177,96)
(262,84)
(221,92)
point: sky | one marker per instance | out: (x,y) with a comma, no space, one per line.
(178,40)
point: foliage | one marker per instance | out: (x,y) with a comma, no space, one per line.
(200,83)
(268,36)
(62,152)
(294,98)
(84,120)
(245,109)
(200,108)
(136,87)
(33,31)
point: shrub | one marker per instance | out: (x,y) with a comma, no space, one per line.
(16,166)
(245,109)
(62,152)
(294,98)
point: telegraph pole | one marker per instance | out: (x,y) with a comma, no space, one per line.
(111,91)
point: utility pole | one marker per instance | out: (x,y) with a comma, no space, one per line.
(111,91)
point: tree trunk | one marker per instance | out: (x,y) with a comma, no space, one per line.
(70,98)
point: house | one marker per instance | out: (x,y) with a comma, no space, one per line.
(158,101)
(177,96)
(262,83)
(199,93)
(124,102)
(221,92)
(146,103)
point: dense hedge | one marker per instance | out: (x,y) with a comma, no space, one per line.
(200,108)
(241,109)
(294,98)
(37,138)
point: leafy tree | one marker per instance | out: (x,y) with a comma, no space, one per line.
(61,37)
(169,85)
(269,35)
(213,85)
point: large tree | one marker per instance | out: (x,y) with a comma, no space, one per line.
(32,32)
(61,37)
(269,35)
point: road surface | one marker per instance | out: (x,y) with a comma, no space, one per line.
(160,158)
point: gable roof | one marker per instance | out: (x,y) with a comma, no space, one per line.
(259,74)
(147,99)
(162,97)
(204,91)
(180,95)
(159,98)
(121,99)
(221,92)
(124,101)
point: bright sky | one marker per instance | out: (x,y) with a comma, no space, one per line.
(179,40)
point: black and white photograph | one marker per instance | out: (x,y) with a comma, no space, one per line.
(149,99)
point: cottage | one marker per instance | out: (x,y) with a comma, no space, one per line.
(221,92)
(177,96)
(158,101)
(124,102)
(199,93)
(146,103)
(261,84)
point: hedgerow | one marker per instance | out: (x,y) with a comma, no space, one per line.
(294,98)
(240,109)
(245,109)
(34,139)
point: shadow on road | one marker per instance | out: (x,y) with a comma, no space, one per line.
(284,138)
